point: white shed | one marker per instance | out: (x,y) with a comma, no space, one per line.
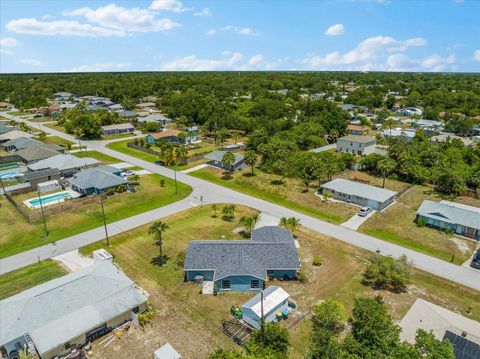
(275,299)
(166,352)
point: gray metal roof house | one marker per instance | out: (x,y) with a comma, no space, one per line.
(67,164)
(37,153)
(20,143)
(67,312)
(446,215)
(216,159)
(243,265)
(97,180)
(359,193)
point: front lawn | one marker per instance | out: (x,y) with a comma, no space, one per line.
(56,141)
(105,159)
(290,194)
(122,147)
(21,279)
(396,225)
(19,236)
(181,311)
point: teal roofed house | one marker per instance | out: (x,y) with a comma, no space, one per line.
(243,265)
(456,217)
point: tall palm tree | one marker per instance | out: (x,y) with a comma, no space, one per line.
(228,160)
(181,154)
(386,165)
(284,223)
(157,229)
(293,223)
(247,222)
(251,159)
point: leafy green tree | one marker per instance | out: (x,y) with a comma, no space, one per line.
(157,229)
(270,338)
(387,273)
(323,345)
(181,154)
(330,315)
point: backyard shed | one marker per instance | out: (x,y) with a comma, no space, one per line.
(275,300)
(359,193)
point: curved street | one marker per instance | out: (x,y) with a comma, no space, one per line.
(205,193)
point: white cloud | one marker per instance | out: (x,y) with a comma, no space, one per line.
(31,62)
(168,5)
(256,59)
(368,55)
(123,19)
(61,27)
(241,30)
(211,32)
(476,55)
(204,12)
(6,44)
(109,66)
(46,17)
(193,63)
(335,30)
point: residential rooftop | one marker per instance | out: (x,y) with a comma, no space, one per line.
(451,212)
(358,138)
(362,190)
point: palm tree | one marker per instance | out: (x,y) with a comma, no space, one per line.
(284,223)
(389,122)
(386,165)
(228,160)
(251,159)
(78,132)
(247,222)
(293,223)
(181,154)
(157,229)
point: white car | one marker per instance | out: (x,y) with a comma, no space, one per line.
(127,173)
(364,211)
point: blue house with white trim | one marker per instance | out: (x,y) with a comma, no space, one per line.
(243,265)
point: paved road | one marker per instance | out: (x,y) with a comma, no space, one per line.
(212,193)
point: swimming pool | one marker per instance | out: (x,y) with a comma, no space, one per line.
(8,175)
(8,166)
(47,200)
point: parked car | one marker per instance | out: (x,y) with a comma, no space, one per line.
(127,173)
(160,163)
(475,263)
(364,211)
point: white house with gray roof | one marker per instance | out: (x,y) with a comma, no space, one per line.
(243,265)
(67,164)
(446,215)
(64,313)
(359,193)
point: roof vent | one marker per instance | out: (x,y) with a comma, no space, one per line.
(464,334)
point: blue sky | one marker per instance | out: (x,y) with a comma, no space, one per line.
(365,35)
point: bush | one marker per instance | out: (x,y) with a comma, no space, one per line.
(330,315)
(317,261)
(387,273)
(162,182)
(302,277)
(421,222)
(147,316)
(180,259)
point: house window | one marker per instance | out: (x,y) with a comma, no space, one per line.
(226,284)
(254,284)
(270,273)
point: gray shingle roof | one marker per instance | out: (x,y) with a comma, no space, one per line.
(38,153)
(42,173)
(22,142)
(218,156)
(270,248)
(98,177)
(451,212)
(357,138)
(362,190)
(56,311)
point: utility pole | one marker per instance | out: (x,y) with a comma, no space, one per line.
(104,220)
(43,213)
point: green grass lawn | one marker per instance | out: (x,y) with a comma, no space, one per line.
(106,159)
(30,276)
(182,309)
(18,235)
(57,141)
(396,225)
(118,135)
(289,195)
(55,126)
(121,146)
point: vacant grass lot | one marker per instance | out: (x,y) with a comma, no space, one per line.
(290,194)
(57,141)
(397,225)
(18,235)
(121,146)
(30,276)
(55,126)
(182,313)
(106,159)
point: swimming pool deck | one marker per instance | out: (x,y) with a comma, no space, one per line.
(71,194)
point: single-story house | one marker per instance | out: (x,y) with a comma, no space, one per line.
(36,177)
(127,114)
(275,300)
(446,215)
(444,137)
(166,352)
(351,107)
(428,125)
(20,143)
(57,316)
(146,105)
(157,118)
(67,164)
(6,106)
(118,128)
(4,128)
(97,180)
(359,193)
(355,144)
(243,265)
(462,332)
(407,135)
(33,154)
(353,129)
(115,107)
(62,96)
(167,135)
(409,111)
(11,135)
(216,159)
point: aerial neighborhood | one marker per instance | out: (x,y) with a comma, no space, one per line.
(159,199)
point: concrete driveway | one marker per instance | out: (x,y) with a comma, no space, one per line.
(356,221)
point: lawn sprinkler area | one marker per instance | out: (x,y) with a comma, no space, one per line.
(50,199)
